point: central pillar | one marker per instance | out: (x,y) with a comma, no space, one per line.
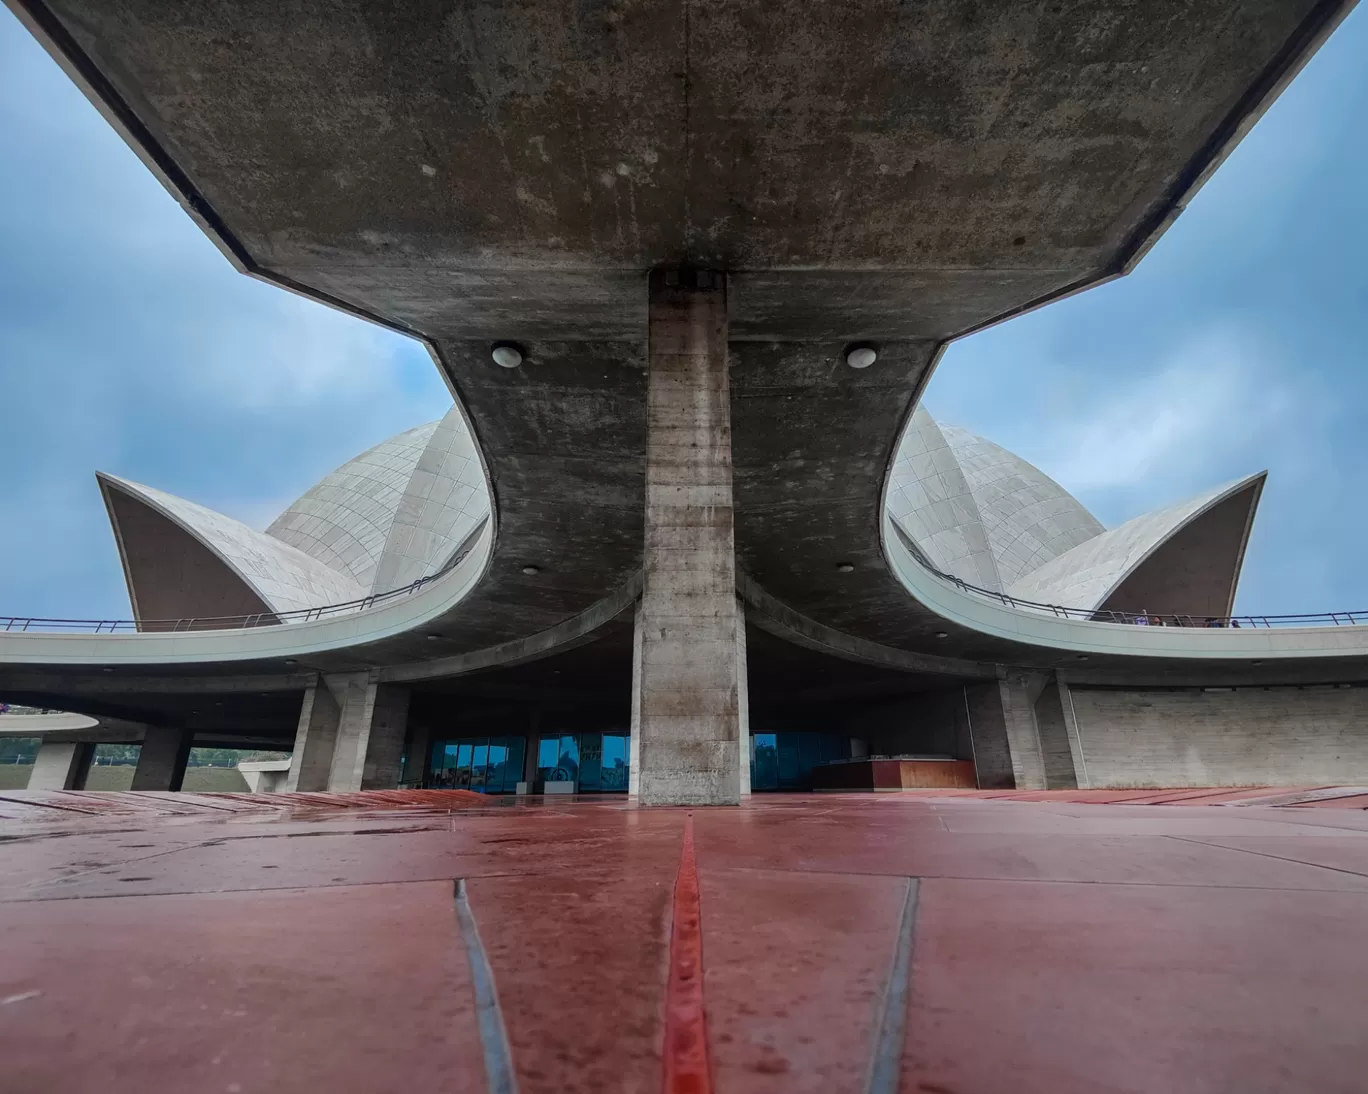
(687,696)
(161,760)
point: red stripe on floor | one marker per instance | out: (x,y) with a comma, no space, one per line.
(686,1029)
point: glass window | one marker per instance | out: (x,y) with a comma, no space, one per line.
(591,759)
(547,751)
(498,763)
(513,772)
(614,765)
(764,762)
(479,761)
(567,763)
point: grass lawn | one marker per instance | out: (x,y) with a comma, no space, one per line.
(120,776)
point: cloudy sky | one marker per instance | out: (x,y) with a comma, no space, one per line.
(129,345)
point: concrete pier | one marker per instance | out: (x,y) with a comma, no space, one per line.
(687,698)
(350,736)
(161,762)
(61,765)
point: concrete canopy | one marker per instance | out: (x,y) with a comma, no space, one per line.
(900,175)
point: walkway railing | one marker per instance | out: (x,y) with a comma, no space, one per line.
(12,623)
(1097,615)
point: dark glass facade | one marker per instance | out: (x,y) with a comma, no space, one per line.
(491,765)
(784,761)
(595,762)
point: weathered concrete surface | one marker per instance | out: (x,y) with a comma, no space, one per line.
(61,765)
(867,172)
(162,758)
(875,168)
(687,680)
(1231,941)
(1238,737)
(1007,748)
(371,727)
(315,740)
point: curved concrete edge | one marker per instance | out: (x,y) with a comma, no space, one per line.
(1050,583)
(576,631)
(36,725)
(774,617)
(387,620)
(68,727)
(1057,634)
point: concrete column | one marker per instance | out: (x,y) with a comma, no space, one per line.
(687,717)
(370,734)
(1073,736)
(743,698)
(1006,740)
(530,753)
(61,765)
(1054,737)
(162,758)
(315,740)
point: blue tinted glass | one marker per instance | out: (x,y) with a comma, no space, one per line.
(765,764)
(591,756)
(498,763)
(478,762)
(546,754)
(513,773)
(567,760)
(616,758)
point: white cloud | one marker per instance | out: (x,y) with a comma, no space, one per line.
(1200,408)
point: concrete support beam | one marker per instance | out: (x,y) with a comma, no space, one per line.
(1056,749)
(1006,738)
(61,765)
(315,740)
(1074,736)
(370,733)
(687,695)
(162,758)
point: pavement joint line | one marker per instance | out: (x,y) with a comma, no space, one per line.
(265,889)
(498,1058)
(885,1065)
(1052,880)
(1266,854)
(687,1064)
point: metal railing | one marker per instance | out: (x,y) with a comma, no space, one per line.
(1097,615)
(13,623)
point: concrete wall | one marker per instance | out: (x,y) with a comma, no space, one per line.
(1249,736)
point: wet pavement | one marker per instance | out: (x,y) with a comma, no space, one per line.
(951,941)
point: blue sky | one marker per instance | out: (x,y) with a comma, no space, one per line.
(129,344)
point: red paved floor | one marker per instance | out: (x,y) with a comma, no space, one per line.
(1058,943)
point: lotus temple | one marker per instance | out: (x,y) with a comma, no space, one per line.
(688,709)
(402,514)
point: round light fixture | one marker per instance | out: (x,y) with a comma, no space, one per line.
(507,355)
(845,568)
(861,356)
(291,661)
(434,637)
(1082,656)
(531,571)
(942,634)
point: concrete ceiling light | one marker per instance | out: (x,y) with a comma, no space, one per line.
(531,571)
(507,355)
(861,356)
